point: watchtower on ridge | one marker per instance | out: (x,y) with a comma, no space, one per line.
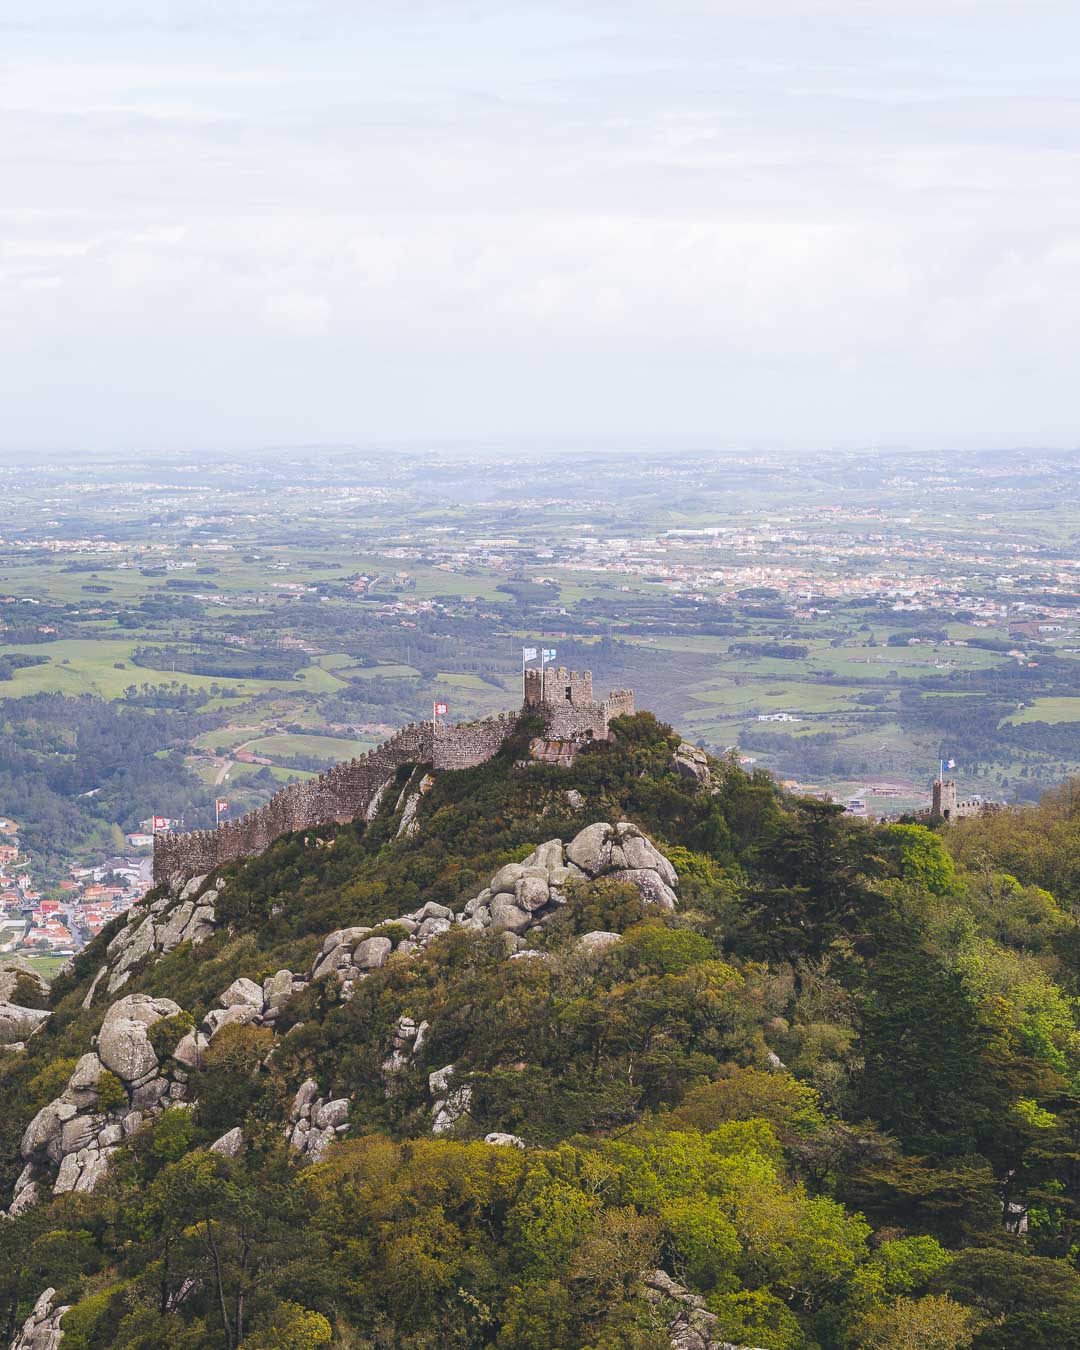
(565,699)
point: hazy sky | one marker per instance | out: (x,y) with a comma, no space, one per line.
(725,222)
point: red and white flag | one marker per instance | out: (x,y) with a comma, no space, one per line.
(222,805)
(161,823)
(440,709)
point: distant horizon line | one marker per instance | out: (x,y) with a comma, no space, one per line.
(517,448)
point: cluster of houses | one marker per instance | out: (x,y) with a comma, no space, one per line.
(77,907)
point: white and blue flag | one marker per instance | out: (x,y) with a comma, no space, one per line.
(529,653)
(549,653)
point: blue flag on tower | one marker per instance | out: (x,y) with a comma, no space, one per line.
(549,653)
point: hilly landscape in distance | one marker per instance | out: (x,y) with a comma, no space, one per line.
(635,1051)
(539,675)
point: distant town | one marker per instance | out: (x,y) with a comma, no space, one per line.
(76,908)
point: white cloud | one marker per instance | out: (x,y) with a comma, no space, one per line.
(296,315)
(810,222)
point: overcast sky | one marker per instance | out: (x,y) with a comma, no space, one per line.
(788,223)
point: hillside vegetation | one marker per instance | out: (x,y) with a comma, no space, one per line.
(829,1102)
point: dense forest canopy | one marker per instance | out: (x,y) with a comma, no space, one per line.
(78,772)
(835,1096)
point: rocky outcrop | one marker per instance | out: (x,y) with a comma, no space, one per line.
(523,894)
(19,1024)
(243,1003)
(690,762)
(596,942)
(315,1122)
(186,914)
(123,1044)
(78,1131)
(19,979)
(452,1101)
(505,1140)
(42,1330)
(409,1036)
(520,897)
(690,1323)
(231,1144)
(409,826)
(624,852)
(16,973)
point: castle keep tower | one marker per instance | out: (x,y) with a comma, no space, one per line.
(947,804)
(564,698)
(944,803)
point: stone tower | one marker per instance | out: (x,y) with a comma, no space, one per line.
(944,805)
(564,698)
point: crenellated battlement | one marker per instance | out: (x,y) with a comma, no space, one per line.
(947,804)
(556,684)
(355,787)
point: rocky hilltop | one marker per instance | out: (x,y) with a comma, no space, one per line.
(625,1050)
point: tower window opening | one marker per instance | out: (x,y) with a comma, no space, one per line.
(569,694)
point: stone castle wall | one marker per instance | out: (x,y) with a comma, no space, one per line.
(619,703)
(948,805)
(355,787)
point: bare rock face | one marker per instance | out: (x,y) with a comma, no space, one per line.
(591,849)
(505,1140)
(19,1024)
(240,1014)
(506,916)
(332,1114)
(650,886)
(158,930)
(506,878)
(172,933)
(42,1135)
(26,1199)
(86,1075)
(641,855)
(41,1330)
(193,887)
(593,943)
(277,989)
(189,1051)
(14,969)
(243,992)
(123,1045)
(690,1324)
(372,953)
(231,1144)
(315,1123)
(690,762)
(451,1103)
(532,893)
(139,944)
